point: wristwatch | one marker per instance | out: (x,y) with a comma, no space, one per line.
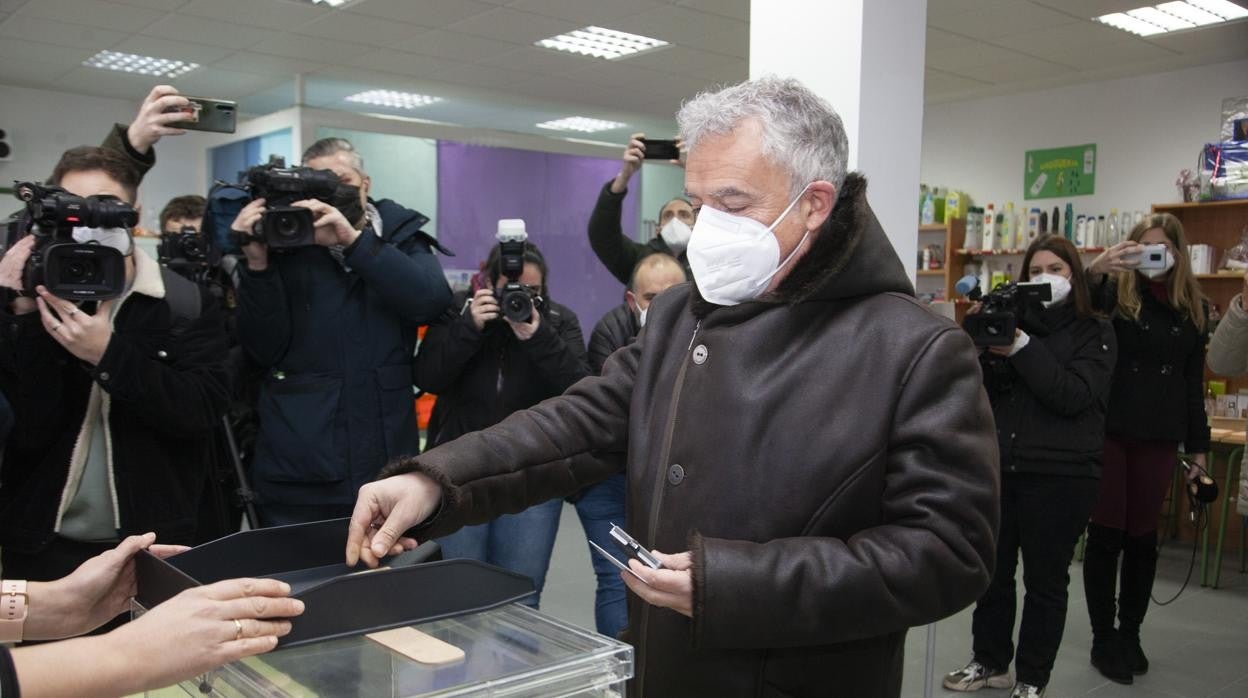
(12,609)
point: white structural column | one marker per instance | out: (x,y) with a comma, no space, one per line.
(865,57)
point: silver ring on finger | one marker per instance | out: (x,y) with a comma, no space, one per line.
(58,327)
(238,629)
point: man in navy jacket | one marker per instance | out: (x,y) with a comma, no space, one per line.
(335,327)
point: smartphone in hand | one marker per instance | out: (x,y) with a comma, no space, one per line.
(203,114)
(661,149)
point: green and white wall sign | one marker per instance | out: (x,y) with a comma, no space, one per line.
(1053,172)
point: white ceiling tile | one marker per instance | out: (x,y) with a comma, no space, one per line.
(317,50)
(59,33)
(484,76)
(95,13)
(207,31)
(1113,54)
(1017,71)
(540,60)
(617,74)
(179,50)
(506,24)
(736,9)
(735,41)
(936,82)
(455,46)
(344,26)
(938,39)
(225,84)
(249,62)
(1001,18)
(1232,38)
(1059,44)
(585,13)
(410,64)
(11,5)
(728,72)
(426,13)
(257,13)
(107,83)
(167,5)
(31,73)
(954,59)
(938,8)
(15,52)
(678,25)
(1093,8)
(678,59)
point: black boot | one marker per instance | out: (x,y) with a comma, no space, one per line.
(1100,573)
(1139,568)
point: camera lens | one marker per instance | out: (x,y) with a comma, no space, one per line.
(79,271)
(192,247)
(286,226)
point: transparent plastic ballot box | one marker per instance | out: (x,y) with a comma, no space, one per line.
(509,651)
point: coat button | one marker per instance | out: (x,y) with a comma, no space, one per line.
(162,354)
(700,353)
(104,376)
(675,474)
(1166,369)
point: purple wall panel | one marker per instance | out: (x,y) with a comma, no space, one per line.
(554,194)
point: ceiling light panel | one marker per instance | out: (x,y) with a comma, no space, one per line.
(392,99)
(140,65)
(601,43)
(582,124)
(1174,16)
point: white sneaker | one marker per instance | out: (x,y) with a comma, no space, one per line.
(1026,690)
(975,676)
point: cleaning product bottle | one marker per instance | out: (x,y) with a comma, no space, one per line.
(1112,231)
(938,204)
(1044,222)
(1020,229)
(990,228)
(1007,227)
(1033,225)
(928,216)
(1055,223)
(1102,233)
(1081,230)
(1003,234)
(1069,229)
(1009,272)
(974,236)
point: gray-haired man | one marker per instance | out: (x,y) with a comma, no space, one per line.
(816,441)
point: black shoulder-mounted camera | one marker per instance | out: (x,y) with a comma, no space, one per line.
(186,252)
(516,299)
(282,225)
(69,269)
(994,325)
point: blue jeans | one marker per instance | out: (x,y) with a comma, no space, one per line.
(601,505)
(518,542)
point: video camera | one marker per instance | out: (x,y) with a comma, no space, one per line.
(283,225)
(69,269)
(994,325)
(516,299)
(185,251)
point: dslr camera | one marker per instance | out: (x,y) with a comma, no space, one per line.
(183,251)
(69,269)
(516,299)
(994,325)
(283,225)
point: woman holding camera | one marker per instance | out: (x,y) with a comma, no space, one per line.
(1156,403)
(483,365)
(1048,391)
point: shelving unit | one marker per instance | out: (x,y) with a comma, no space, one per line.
(950,235)
(1220,224)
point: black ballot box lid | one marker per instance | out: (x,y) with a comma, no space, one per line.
(339,601)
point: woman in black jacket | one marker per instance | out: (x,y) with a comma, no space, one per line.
(483,367)
(1156,403)
(1048,391)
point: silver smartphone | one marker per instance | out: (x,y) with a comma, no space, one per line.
(1153,257)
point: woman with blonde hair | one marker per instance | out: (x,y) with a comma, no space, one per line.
(1156,403)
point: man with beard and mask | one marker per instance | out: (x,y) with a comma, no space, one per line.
(617,251)
(483,366)
(334,326)
(115,401)
(809,449)
(602,504)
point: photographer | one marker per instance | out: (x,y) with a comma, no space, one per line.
(334,324)
(1156,403)
(1048,391)
(620,253)
(115,401)
(483,367)
(600,505)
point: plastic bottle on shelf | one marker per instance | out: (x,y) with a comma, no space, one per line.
(1009,272)
(1044,222)
(1020,228)
(1069,228)
(1113,235)
(1102,233)
(1055,223)
(989,229)
(974,219)
(1033,225)
(1007,229)
(929,210)
(1081,230)
(1004,237)
(1139,217)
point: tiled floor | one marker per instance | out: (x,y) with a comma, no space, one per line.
(1198,646)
